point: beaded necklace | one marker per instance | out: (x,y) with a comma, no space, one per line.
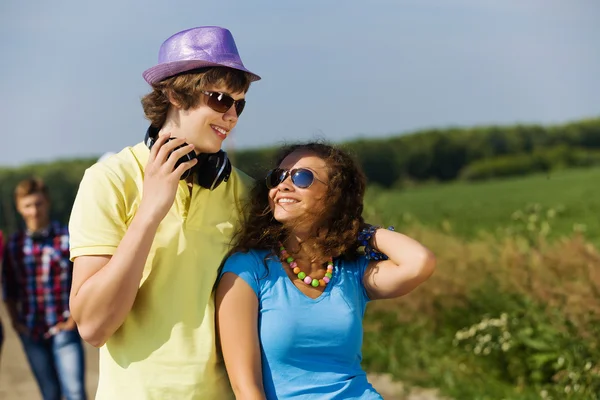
(301,275)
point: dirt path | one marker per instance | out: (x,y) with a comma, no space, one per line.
(391,390)
(16,380)
(17,383)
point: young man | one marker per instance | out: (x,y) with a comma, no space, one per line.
(36,278)
(151,225)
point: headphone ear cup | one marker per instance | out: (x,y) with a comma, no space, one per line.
(212,169)
(188,157)
(149,139)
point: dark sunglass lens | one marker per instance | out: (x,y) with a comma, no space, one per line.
(220,102)
(275,177)
(239,106)
(303,178)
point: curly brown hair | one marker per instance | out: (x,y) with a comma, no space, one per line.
(185,90)
(336,227)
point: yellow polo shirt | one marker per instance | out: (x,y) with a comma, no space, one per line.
(165,349)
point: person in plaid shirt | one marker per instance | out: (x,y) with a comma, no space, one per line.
(36,278)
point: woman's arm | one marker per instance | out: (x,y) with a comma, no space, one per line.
(409,264)
(237,327)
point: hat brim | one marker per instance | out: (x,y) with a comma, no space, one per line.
(166,70)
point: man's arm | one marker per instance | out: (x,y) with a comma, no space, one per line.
(105,286)
(19,327)
(9,287)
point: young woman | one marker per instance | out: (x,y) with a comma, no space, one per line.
(292,296)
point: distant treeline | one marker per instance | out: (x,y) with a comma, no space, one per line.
(433,155)
(463,153)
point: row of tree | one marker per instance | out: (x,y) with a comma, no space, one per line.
(448,154)
(431,155)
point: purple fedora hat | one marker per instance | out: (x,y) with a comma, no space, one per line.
(206,46)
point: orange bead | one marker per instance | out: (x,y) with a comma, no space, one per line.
(322,282)
(297,270)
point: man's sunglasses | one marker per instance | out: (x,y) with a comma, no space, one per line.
(221,102)
(301,177)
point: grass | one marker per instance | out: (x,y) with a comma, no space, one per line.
(549,294)
(532,267)
(472,209)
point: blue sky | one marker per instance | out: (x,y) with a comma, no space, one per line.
(70,72)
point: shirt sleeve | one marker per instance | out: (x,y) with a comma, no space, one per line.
(99,218)
(247,266)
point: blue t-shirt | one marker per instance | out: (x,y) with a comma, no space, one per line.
(311,348)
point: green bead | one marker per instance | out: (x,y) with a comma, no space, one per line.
(301,275)
(289,260)
(315,283)
(328,274)
(282,248)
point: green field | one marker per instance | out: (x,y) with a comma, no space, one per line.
(495,264)
(469,209)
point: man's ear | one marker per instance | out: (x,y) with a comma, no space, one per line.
(172,98)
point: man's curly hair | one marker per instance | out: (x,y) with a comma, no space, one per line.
(336,226)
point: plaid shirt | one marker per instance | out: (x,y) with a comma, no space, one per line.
(37,275)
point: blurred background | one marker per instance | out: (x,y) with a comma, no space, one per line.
(477,123)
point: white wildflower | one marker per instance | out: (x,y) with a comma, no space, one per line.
(572,376)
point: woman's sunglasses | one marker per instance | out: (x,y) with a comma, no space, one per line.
(221,102)
(301,177)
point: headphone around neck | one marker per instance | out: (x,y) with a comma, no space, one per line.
(211,169)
